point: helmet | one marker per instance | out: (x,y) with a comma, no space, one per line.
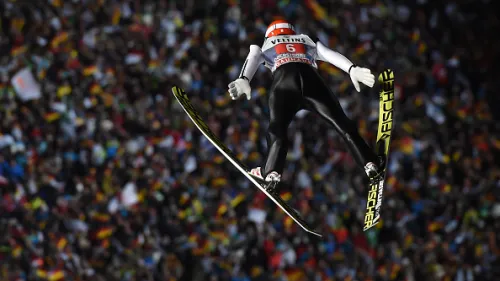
(280,27)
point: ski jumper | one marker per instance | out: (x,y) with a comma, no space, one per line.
(297,85)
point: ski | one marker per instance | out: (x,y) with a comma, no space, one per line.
(385,125)
(184,101)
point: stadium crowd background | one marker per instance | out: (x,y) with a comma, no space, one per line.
(103,177)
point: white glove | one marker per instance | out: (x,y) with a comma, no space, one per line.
(363,75)
(239,87)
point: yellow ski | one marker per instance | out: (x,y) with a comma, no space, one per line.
(385,125)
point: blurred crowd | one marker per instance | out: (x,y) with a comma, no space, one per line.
(103,176)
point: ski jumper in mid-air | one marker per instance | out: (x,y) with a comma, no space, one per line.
(297,85)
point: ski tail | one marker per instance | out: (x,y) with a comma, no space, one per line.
(385,126)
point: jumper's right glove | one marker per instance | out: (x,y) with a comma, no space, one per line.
(240,87)
(363,75)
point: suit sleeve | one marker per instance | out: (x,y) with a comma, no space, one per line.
(328,55)
(252,62)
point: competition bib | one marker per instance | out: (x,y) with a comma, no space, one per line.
(283,49)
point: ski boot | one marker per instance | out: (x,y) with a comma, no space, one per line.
(271,181)
(374,171)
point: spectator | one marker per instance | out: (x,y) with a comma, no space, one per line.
(103,177)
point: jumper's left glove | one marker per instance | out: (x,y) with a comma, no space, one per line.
(363,75)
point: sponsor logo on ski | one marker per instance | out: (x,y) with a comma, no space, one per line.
(388,111)
(379,201)
(370,206)
(374,204)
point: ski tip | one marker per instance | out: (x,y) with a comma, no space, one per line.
(386,75)
(177,89)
